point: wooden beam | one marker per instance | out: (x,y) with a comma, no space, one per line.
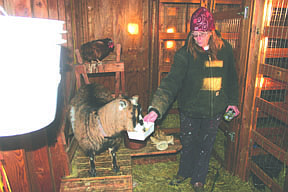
(264,177)
(237,2)
(227,14)
(229,2)
(276,52)
(251,65)
(279,32)
(271,131)
(271,84)
(111,67)
(272,109)
(179,1)
(280,3)
(274,72)
(230,35)
(174,36)
(270,147)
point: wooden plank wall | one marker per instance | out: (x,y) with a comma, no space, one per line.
(37,161)
(97,19)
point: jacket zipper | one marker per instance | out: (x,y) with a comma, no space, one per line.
(211,91)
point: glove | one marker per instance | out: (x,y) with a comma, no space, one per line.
(150,117)
(234,108)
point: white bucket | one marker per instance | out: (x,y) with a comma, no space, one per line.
(30,73)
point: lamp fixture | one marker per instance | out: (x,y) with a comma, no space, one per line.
(169,44)
(133,28)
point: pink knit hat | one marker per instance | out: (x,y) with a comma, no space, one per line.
(202,20)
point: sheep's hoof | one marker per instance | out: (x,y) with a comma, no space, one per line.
(92,172)
(116,169)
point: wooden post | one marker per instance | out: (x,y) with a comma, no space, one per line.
(118,52)
(204,3)
(248,93)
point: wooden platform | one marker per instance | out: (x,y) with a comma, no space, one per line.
(106,179)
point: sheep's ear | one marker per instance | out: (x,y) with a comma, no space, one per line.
(122,105)
(134,100)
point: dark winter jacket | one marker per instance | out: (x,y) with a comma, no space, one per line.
(203,87)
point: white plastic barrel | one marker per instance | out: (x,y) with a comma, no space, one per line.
(30,73)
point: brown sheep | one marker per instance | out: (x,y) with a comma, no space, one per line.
(97,121)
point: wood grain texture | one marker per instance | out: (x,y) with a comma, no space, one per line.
(52,9)
(107,179)
(14,164)
(18,7)
(40,9)
(36,150)
(101,19)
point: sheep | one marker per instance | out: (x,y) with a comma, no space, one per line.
(98,119)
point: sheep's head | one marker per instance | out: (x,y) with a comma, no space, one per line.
(122,114)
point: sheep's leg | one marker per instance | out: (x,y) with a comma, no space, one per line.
(92,170)
(115,167)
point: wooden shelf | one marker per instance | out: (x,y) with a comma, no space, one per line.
(173,36)
(108,67)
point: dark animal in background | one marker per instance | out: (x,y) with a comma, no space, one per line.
(96,50)
(98,119)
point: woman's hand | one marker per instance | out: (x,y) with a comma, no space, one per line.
(234,108)
(150,117)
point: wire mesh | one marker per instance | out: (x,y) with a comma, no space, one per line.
(272,101)
(274,87)
(176,16)
(225,7)
(229,29)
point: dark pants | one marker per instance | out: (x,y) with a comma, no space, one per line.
(197,137)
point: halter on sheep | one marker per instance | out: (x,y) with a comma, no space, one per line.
(97,121)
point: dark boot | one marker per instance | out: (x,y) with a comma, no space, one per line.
(198,187)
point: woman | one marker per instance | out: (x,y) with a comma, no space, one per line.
(204,80)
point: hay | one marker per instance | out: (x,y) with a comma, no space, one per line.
(155,177)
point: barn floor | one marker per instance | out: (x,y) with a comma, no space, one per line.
(147,169)
(155,177)
(108,180)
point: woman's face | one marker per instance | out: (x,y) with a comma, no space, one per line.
(201,37)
